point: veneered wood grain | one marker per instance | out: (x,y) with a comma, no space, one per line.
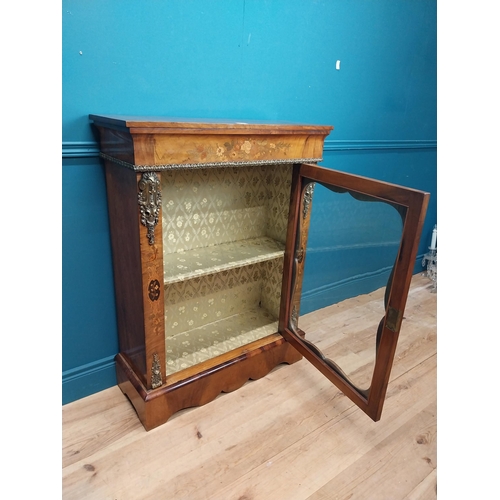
(209,148)
(153,303)
(121,186)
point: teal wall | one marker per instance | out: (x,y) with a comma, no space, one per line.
(248,60)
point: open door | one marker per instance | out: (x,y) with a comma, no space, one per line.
(399,213)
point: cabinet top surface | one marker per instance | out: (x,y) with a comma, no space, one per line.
(158,124)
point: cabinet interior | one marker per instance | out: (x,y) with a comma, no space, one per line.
(224,232)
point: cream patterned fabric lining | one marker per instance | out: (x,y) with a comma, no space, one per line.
(212,314)
(224,231)
(206,342)
(207,207)
(201,261)
(193,303)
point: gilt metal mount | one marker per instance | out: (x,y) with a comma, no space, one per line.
(149,198)
(308,194)
(156,380)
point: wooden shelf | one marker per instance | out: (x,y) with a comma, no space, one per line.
(190,264)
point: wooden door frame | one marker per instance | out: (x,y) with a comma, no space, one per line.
(412,204)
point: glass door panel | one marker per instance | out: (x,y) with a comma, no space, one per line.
(352,245)
(350,233)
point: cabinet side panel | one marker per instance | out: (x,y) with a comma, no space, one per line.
(300,250)
(123,214)
(277,181)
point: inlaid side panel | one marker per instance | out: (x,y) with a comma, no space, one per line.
(151,247)
(300,253)
(300,204)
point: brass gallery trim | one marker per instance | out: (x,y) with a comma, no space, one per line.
(174,166)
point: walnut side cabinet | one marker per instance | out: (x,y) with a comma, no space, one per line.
(209,225)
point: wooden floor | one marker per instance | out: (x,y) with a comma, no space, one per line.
(289,435)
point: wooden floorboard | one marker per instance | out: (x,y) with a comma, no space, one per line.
(289,435)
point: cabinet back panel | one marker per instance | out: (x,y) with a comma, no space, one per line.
(206,207)
(213,314)
(212,340)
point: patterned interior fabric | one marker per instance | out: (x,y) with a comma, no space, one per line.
(206,207)
(224,231)
(211,340)
(201,261)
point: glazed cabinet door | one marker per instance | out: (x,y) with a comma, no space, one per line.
(364,223)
